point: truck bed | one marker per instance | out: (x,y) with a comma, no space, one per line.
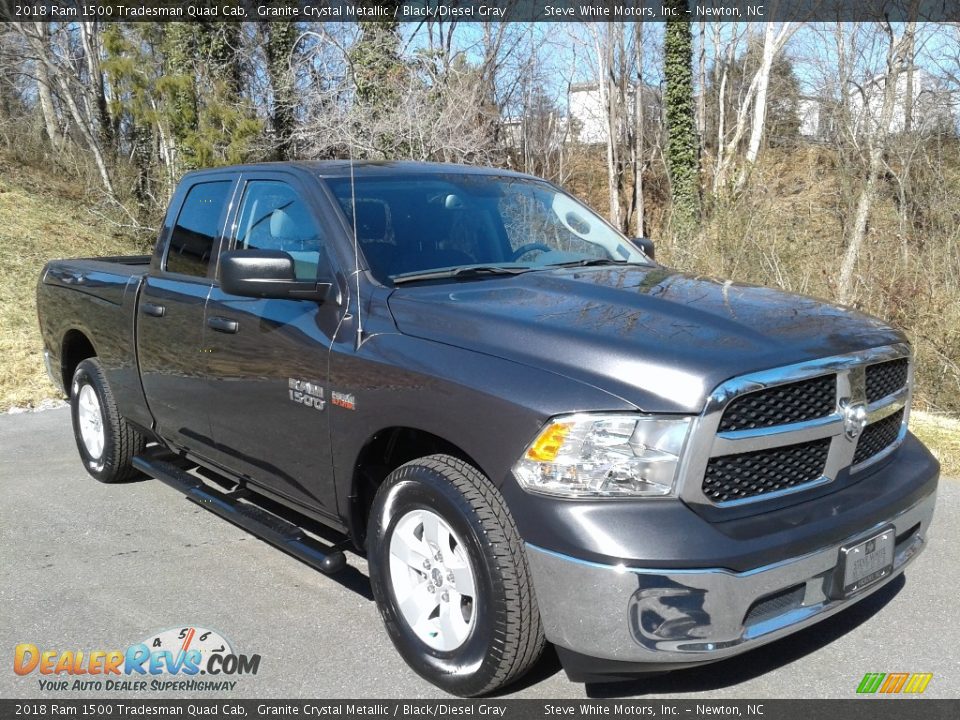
(95,298)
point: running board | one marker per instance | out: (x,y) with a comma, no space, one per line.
(230,506)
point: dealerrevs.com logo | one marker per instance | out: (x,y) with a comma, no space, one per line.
(171,660)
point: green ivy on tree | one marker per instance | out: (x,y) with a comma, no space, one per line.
(683,162)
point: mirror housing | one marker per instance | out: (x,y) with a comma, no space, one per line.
(268,274)
(645,244)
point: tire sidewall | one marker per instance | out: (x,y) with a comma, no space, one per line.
(87,373)
(467,669)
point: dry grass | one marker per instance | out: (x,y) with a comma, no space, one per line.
(941,433)
(40,218)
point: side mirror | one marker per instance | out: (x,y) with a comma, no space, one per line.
(645,244)
(268,274)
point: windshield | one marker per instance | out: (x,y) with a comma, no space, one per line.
(414,224)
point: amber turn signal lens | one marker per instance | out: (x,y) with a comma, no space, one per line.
(546,447)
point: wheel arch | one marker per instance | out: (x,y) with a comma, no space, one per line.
(382,453)
(74,349)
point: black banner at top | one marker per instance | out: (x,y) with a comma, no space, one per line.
(478,10)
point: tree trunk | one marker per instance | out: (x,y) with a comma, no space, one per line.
(770,48)
(908,100)
(43,88)
(52,73)
(718,178)
(638,140)
(683,162)
(606,88)
(96,95)
(281,38)
(702,80)
(877,136)
(180,107)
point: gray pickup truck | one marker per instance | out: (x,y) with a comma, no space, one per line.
(533,431)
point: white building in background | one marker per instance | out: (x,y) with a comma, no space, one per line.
(934,106)
(549,131)
(588,116)
(811,114)
(935,109)
(585,108)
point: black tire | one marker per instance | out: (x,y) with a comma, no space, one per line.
(507,638)
(120,441)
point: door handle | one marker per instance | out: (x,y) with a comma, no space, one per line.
(222,324)
(153,309)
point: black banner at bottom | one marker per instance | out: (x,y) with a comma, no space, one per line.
(873,708)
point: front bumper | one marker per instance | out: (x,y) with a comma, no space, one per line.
(662,617)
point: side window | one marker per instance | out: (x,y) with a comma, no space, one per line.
(274,217)
(194,235)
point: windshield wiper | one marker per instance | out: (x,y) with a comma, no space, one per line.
(460,273)
(587,262)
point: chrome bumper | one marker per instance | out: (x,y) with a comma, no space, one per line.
(688,616)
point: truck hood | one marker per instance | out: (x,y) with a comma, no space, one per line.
(657,338)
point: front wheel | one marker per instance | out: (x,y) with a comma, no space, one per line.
(106,442)
(450,577)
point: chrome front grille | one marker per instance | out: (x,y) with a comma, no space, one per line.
(781,431)
(878,436)
(782,404)
(886,378)
(733,477)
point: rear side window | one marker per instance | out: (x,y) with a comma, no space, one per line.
(194,235)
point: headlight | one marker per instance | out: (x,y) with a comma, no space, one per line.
(604,456)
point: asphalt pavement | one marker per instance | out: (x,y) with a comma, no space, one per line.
(86,566)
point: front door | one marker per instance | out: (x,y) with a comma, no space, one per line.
(268,358)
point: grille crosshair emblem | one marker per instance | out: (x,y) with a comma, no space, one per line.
(854,417)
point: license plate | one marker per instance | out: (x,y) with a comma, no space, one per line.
(867,562)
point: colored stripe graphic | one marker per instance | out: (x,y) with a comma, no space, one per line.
(894,682)
(918,682)
(870,682)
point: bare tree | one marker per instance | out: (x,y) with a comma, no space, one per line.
(44,86)
(751,113)
(773,43)
(615,54)
(430,114)
(608,45)
(702,81)
(95,96)
(876,135)
(723,60)
(56,71)
(636,143)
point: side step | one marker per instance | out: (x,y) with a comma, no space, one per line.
(269,527)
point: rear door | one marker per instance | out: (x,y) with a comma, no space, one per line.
(170,315)
(269,398)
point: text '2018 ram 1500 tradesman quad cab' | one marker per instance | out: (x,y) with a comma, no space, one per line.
(534,432)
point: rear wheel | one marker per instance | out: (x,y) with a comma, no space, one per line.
(450,577)
(105,440)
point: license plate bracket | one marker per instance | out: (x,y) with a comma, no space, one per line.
(867,562)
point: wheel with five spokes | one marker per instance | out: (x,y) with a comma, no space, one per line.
(450,577)
(107,443)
